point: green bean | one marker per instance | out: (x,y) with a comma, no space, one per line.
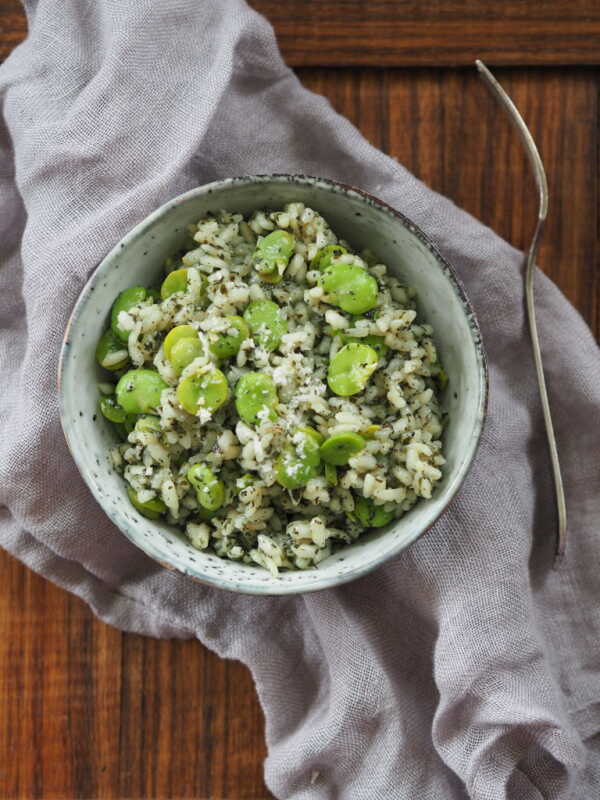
(266,323)
(326,256)
(340,448)
(126,300)
(111,353)
(350,369)
(349,287)
(151,508)
(139,390)
(111,410)
(229,343)
(255,397)
(272,255)
(175,335)
(370,515)
(210,490)
(300,460)
(208,390)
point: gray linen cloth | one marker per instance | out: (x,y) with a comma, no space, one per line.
(464,668)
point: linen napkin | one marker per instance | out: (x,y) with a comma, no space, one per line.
(463,668)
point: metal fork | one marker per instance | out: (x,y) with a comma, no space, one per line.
(542,187)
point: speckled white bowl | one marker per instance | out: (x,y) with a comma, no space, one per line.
(365,222)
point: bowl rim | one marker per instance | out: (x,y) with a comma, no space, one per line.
(337,187)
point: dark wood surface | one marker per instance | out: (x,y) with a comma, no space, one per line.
(89,712)
(435,32)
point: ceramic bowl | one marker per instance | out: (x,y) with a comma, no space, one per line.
(366,223)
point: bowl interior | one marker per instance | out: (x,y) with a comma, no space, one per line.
(364,222)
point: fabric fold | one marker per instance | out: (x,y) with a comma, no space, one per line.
(463,668)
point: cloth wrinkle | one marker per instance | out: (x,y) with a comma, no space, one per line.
(464,667)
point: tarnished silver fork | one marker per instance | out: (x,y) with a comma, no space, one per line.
(542,187)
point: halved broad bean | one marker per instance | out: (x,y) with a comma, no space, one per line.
(308,441)
(210,490)
(151,508)
(243,482)
(266,323)
(148,423)
(300,461)
(208,390)
(370,431)
(177,281)
(184,352)
(126,300)
(230,341)
(349,287)
(370,515)
(139,390)
(350,369)
(272,255)
(254,392)
(376,342)
(331,474)
(175,335)
(111,353)
(112,410)
(326,255)
(340,448)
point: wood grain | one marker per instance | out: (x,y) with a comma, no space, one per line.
(411,32)
(89,712)
(435,33)
(13,26)
(447,129)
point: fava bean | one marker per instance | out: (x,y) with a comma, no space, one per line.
(151,508)
(177,281)
(331,475)
(210,490)
(272,255)
(184,352)
(349,287)
(370,515)
(111,353)
(376,342)
(126,300)
(300,461)
(340,448)
(175,335)
(148,423)
(255,392)
(208,390)
(229,343)
(326,256)
(266,323)
(139,390)
(350,369)
(112,410)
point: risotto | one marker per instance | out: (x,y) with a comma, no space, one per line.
(276,396)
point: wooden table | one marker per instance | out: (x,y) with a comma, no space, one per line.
(86,711)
